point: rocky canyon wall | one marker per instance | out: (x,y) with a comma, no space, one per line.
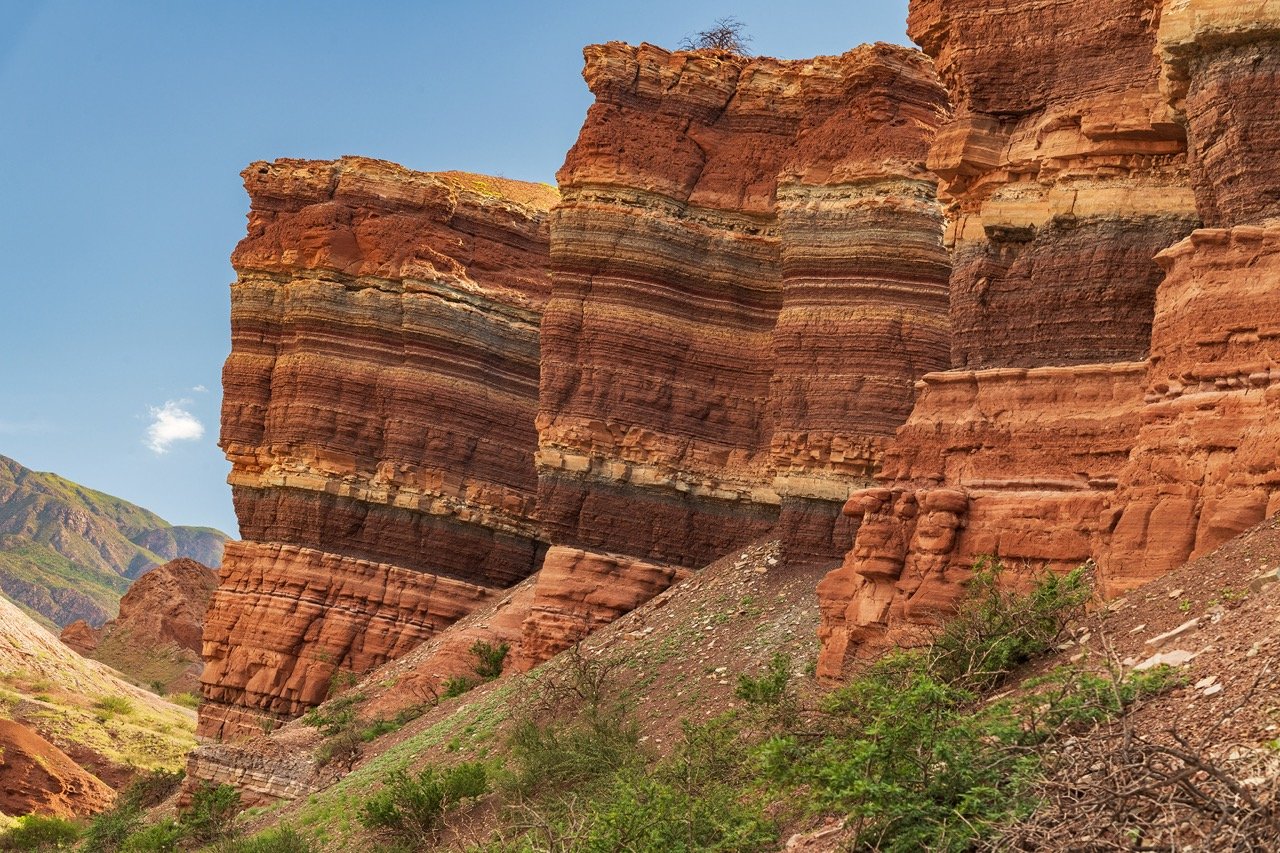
(1071,195)
(379,405)
(748,278)
(1205,464)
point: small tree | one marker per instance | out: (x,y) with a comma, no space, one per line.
(726,34)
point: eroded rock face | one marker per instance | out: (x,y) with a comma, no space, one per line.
(1014,463)
(1066,175)
(156,638)
(1204,467)
(378,412)
(747,280)
(1189,457)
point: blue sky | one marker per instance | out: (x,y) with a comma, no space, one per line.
(123,129)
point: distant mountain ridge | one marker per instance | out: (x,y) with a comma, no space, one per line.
(68,552)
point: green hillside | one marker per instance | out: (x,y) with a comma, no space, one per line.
(68,552)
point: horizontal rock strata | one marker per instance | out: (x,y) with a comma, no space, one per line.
(1066,175)
(1205,465)
(748,277)
(379,415)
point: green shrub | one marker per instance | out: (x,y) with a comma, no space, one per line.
(114,705)
(335,715)
(281,839)
(212,814)
(769,688)
(456,686)
(162,837)
(489,658)
(38,832)
(186,700)
(108,830)
(152,788)
(997,628)
(411,809)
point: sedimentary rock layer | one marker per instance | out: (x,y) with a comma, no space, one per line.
(1066,172)
(747,279)
(1222,78)
(379,415)
(1204,467)
(1014,463)
(1066,175)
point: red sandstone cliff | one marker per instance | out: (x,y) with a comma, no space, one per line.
(378,412)
(1137,464)
(747,280)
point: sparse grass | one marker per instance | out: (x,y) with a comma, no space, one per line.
(114,705)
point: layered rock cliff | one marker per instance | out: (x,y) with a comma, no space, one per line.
(1204,466)
(747,280)
(1139,465)
(378,412)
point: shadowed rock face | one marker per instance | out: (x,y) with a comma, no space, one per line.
(1065,172)
(748,278)
(378,413)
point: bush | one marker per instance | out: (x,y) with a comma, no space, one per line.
(108,830)
(114,705)
(151,789)
(212,814)
(282,839)
(335,715)
(489,658)
(769,688)
(997,628)
(411,809)
(38,832)
(162,837)
(456,686)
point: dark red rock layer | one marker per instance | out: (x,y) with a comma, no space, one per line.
(407,538)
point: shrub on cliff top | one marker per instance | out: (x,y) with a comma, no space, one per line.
(726,34)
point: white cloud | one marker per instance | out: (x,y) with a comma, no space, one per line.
(170,423)
(200,389)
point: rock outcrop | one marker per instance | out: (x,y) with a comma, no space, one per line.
(1066,173)
(747,280)
(1204,467)
(38,778)
(157,637)
(379,416)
